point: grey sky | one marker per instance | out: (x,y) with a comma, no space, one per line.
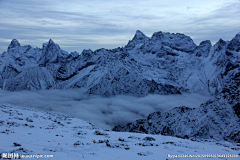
(82,24)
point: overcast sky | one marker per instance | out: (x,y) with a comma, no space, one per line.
(91,24)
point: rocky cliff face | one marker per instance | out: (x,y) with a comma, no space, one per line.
(218,118)
(162,64)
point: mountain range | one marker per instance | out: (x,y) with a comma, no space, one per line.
(165,63)
(162,64)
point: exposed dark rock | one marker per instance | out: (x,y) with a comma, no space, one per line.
(216,119)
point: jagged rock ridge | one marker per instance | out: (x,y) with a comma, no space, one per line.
(218,118)
(162,64)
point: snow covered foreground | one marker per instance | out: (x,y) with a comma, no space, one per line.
(30,132)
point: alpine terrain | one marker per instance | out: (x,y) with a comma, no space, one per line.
(165,63)
(162,64)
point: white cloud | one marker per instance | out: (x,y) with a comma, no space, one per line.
(103,112)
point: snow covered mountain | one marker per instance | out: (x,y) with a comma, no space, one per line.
(162,64)
(218,118)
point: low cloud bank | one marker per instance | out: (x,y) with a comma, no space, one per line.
(102,112)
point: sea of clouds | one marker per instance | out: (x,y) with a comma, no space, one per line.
(102,112)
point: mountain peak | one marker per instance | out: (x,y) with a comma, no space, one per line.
(234,44)
(51,41)
(50,44)
(237,36)
(140,36)
(221,42)
(14,43)
(138,32)
(206,42)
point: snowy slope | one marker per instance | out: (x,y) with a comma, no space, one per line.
(30,132)
(218,118)
(165,63)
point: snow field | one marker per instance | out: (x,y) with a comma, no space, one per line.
(64,137)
